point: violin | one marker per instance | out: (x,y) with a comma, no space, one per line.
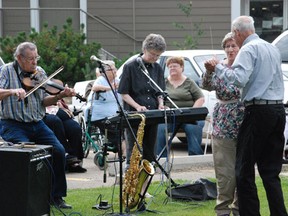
(51,86)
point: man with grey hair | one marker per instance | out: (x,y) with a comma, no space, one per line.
(257,70)
(22,117)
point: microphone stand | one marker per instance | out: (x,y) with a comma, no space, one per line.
(146,73)
(165,96)
(120,154)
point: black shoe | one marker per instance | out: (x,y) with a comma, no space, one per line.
(70,159)
(284,160)
(76,169)
(58,202)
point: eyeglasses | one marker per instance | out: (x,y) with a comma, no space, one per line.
(31,59)
(154,54)
(230,46)
(174,66)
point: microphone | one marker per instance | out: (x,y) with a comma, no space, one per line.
(140,62)
(94,58)
(142,66)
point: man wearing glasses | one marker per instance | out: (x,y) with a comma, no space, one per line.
(21,116)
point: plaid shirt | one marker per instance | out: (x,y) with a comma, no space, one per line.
(28,110)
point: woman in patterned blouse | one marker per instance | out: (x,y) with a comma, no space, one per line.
(227,117)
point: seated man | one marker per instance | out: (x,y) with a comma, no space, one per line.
(184,92)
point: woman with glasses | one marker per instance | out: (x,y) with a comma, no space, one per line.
(102,102)
(139,93)
(185,93)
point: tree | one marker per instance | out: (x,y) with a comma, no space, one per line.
(191,40)
(67,48)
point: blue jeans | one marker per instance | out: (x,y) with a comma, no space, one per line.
(193,134)
(38,132)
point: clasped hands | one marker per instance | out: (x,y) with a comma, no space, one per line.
(67,92)
(211,64)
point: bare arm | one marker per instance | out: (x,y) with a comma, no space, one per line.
(20,93)
(160,102)
(97,87)
(129,100)
(199,102)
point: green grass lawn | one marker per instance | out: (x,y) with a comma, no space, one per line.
(84,199)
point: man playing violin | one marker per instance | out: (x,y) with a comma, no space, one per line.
(21,116)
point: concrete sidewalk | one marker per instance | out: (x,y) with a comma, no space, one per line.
(183,167)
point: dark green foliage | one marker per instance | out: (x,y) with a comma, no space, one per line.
(56,48)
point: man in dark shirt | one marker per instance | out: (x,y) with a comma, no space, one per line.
(140,94)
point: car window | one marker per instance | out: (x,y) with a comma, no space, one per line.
(282,46)
(200,60)
(285,70)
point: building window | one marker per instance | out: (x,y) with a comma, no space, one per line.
(268,16)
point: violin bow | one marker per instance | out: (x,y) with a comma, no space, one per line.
(45,81)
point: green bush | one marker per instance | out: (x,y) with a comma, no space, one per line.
(66,47)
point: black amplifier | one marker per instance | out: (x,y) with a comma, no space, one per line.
(25,179)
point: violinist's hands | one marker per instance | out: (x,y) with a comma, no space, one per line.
(67,92)
(20,93)
(211,64)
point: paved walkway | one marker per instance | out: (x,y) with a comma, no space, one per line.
(184,167)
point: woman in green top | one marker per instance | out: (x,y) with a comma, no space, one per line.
(184,92)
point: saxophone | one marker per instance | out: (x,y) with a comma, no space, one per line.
(139,173)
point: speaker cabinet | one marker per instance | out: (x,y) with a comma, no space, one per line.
(25,180)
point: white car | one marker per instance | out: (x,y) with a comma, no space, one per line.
(282,43)
(79,88)
(193,67)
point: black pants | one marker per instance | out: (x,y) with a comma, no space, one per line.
(261,142)
(149,140)
(68,132)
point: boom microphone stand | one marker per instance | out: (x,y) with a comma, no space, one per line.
(122,118)
(146,73)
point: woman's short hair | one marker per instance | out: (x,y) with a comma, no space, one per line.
(175,59)
(227,37)
(154,42)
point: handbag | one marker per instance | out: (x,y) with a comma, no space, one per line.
(200,190)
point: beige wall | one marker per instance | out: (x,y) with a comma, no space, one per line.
(58,17)
(15,21)
(155,16)
(120,26)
